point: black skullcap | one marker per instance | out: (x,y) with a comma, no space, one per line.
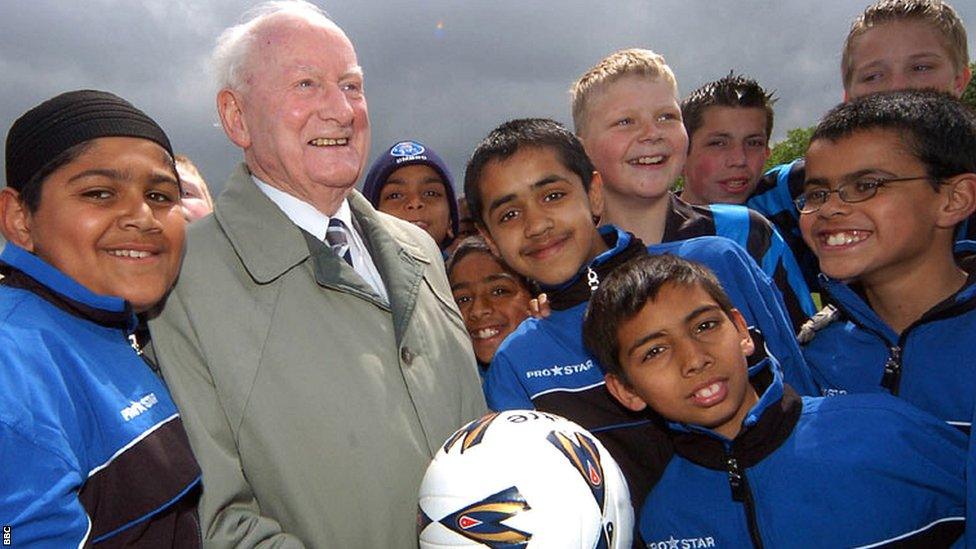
(71,118)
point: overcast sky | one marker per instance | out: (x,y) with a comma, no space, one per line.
(441,71)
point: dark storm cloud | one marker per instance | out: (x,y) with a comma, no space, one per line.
(442,71)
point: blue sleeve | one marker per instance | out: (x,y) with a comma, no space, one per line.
(757,235)
(39,494)
(503,390)
(781,264)
(754,295)
(773,197)
(922,447)
(909,463)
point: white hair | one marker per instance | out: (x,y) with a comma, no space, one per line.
(230,56)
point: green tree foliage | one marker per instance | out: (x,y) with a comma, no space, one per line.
(791,148)
(969,96)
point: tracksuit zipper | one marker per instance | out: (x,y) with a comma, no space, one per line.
(742,494)
(891,380)
(892,369)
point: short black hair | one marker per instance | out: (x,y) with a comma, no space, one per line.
(514,135)
(625,291)
(933,126)
(734,90)
(476,244)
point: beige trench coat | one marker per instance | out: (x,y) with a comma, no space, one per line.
(312,406)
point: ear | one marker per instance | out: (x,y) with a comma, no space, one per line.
(847,96)
(962,80)
(768,152)
(745,340)
(231,112)
(959,201)
(15,220)
(621,391)
(595,194)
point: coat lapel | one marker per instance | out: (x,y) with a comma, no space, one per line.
(400,262)
(269,244)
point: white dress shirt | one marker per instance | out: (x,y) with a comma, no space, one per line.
(316,223)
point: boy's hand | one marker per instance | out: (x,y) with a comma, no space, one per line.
(539,306)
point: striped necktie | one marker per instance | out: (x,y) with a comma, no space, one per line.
(338,240)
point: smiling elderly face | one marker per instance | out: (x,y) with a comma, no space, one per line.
(301,116)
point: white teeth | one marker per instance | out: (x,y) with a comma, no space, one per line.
(326,142)
(736,183)
(130,253)
(706,392)
(649,160)
(844,238)
(486,333)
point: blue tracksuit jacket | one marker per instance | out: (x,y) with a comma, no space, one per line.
(544,365)
(756,235)
(91,445)
(931,364)
(847,471)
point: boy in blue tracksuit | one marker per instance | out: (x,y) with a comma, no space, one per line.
(626,114)
(92,448)
(903,165)
(756,464)
(528,184)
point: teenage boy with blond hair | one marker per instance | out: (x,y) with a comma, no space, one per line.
(626,113)
(892,45)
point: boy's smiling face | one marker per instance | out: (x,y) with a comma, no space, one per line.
(888,235)
(491,299)
(634,136)
(686,358)
(111,220)
(537,215)
(726,156)
(902,55)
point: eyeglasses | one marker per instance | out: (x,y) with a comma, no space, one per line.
(859,190)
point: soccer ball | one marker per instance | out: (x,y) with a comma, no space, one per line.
(524,479)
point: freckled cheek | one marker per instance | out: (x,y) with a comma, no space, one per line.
(680,138)
(604,150)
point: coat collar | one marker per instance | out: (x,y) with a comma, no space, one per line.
(266,241)
(269,245)
(621,247)
(852,303)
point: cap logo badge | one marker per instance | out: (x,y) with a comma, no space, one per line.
(407,148)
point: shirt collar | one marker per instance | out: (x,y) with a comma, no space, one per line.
(303,214)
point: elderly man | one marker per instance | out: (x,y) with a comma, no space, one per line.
(311,343)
